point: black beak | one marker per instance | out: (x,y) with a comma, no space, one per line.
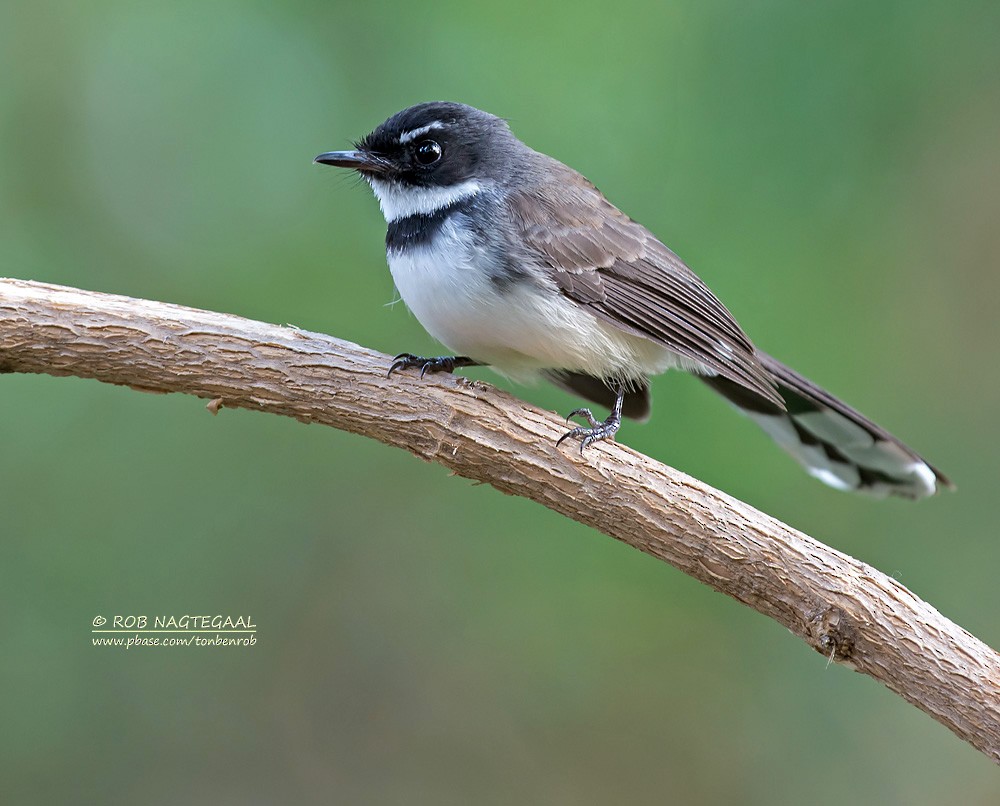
(361,161)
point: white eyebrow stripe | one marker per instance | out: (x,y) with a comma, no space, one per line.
(413,134)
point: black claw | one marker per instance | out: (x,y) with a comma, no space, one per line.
(598,431)
(587,414)
(567,435)
(399,362)
(441,363)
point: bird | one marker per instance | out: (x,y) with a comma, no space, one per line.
(512,259)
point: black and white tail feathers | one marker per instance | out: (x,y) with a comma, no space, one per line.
(836,444)
(833,442)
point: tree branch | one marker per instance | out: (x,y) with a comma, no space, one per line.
(843,608)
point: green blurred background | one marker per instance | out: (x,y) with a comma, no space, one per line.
(830,169)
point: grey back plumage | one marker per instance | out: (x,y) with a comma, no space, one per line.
(616,268)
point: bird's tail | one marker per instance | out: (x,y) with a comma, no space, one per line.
(836,444)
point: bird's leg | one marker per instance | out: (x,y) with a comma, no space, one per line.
(598,431)
(441,363)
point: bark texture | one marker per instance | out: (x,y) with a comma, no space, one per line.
(843,608)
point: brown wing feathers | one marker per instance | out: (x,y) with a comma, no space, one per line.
(602,259)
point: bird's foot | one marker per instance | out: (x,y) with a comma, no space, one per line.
(598,430)
(441,363)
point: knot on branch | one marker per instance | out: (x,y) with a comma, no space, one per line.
(830,633)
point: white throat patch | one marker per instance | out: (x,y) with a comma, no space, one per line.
(401,201)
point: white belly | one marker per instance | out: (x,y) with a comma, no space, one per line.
(518,328)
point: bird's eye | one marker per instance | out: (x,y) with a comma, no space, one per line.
(427,152)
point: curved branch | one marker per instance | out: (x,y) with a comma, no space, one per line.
(841,607)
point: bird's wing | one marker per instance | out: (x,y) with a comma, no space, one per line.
(616,268)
